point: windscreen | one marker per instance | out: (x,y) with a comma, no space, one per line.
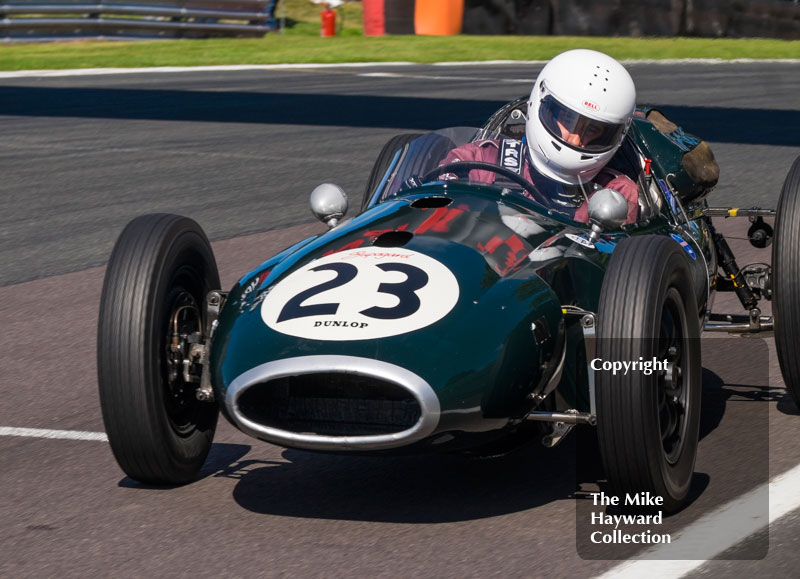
(421,156)
(424,154)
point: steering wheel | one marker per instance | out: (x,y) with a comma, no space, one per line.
(464,167)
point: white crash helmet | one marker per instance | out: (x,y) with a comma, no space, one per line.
(587,96)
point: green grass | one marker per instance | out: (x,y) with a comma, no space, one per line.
(304,49)
(300,43)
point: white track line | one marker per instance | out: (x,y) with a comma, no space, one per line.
(173,69)
(715,532)
(630,61)
(317,66)
(46,433)
(432,77)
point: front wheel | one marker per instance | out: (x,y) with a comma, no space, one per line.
(151,309)
(648,422)
(786,281)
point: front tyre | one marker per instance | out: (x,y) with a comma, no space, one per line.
(159,273)
(786,281)
(648,425)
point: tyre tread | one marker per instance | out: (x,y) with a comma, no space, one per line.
(786,280)
(627,307)
(130,412)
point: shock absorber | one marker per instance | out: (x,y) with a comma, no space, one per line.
(732,271)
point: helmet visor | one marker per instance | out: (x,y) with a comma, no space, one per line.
(576,130)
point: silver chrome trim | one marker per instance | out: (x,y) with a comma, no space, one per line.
(555,379)
(422,391)
(568,417)
(589,326)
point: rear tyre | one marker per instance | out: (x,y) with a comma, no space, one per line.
(648,426)
(786,281)
(157,279)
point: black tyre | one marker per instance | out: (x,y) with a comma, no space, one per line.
(786,280)
(385,157)
(157,278)
(648,426)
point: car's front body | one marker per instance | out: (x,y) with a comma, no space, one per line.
(333,346)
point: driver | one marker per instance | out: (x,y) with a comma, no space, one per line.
(579,111)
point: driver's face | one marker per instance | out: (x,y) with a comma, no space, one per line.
(583,131)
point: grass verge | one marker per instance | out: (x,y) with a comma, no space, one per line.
(277,48)
(300,43)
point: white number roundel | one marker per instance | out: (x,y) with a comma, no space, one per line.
(361,294)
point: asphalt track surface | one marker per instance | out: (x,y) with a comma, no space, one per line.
(239,151)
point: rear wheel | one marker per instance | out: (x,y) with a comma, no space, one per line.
(151,310)
(648,425)
(786,281)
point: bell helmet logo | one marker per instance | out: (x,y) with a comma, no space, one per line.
(591,105)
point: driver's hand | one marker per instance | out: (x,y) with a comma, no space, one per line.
(411,183)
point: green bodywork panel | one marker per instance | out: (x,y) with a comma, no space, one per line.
(482,359)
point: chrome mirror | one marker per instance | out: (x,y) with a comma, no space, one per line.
(328,203)
(608,209)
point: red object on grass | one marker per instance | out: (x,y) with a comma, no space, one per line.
(328,22)
(374,18)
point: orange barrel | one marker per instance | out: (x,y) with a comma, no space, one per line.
(374,19)
(438,17)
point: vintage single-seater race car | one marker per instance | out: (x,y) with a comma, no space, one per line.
(449,315)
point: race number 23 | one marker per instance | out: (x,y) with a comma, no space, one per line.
(345,272)
(374,292)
